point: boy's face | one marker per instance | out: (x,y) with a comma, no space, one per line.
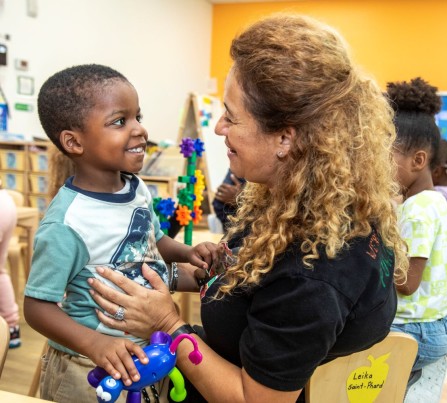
(113,138)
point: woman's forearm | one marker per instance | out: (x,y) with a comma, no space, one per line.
(226,387)
(218,380)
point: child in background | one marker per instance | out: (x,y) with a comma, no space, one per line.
(8,306)
(422,299)
(103,215)
(224,202)
(439,172)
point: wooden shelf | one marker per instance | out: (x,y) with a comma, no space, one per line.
(24,167)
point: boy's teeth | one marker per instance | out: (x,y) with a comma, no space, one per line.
(135,150)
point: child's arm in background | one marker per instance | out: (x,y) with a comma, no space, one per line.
(111,353)
(414,276)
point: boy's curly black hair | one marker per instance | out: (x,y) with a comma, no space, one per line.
(415,103)
(67,97)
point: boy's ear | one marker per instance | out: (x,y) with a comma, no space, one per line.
(70,142)
(420,160)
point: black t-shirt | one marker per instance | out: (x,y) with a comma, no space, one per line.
(298,318)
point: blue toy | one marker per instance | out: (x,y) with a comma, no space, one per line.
(162,358)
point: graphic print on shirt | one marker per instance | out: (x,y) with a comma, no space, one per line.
(138,247)
(376,248)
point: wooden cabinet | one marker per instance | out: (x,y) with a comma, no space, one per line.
(24,167)
(161,186)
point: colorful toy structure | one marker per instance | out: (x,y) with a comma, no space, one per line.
(162,359)
(188,211)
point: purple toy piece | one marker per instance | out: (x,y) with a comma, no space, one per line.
(187,147)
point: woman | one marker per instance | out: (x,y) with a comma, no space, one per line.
(315,227)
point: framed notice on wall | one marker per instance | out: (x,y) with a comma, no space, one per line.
(441,117)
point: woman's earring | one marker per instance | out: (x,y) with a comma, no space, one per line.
(279,154)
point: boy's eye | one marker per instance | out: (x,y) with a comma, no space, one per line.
(119,122)
(139,118)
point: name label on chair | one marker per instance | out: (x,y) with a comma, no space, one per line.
(365,383)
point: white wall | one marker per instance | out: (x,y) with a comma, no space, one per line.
(161,46)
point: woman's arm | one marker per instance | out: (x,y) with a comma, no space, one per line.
(110,353)
(151,310)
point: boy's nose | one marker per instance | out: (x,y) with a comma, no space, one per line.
(139,130)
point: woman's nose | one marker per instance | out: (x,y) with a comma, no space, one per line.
(219,127)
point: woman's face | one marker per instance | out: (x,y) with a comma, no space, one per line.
(252,153)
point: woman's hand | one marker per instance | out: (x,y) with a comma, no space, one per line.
(145,310)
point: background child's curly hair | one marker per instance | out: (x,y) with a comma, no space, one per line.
(415,103)
(416,96)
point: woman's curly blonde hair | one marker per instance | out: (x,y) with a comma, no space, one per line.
(337,181)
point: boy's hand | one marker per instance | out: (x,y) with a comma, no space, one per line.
(203,254)
(114,354)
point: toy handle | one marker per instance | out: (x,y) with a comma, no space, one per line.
(195,356)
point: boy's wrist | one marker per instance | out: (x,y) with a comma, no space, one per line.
(173,275)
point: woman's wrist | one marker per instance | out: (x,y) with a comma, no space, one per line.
(183,329)
(176,326)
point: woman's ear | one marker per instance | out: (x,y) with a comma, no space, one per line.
(420,160)
(286,140)
(70,142)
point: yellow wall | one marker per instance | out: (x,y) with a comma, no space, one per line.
(391,39)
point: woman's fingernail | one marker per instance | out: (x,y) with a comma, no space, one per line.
(91,292)
(90,280)
(100,269)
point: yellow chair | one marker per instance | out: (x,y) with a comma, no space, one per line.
(4,342)
(379,374)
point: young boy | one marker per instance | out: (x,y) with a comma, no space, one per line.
(103,215)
